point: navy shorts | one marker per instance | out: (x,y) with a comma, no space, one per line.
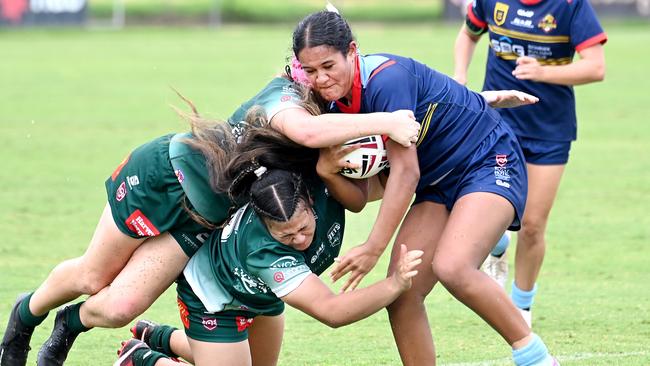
(542,152)
(497,166)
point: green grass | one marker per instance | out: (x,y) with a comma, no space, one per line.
(269,11)
(73,103)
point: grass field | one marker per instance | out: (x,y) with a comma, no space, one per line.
(73,103)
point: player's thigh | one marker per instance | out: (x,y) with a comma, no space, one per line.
(109,250)
(421,229)
(265,339)
(543,184)
(153,267)
(210,354)
(477,220)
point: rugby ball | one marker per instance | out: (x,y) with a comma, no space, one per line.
(371,157)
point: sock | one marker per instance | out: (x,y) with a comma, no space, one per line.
(534,353)
(523,299)
(501,245)
(73,320)
(26,316)
(160,339)
(146,357)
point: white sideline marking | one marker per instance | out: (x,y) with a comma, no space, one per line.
(572,357)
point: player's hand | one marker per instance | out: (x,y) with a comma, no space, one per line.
(358,261)
(508,98)
(332,159)
(528,68)
(405,129)
(408,260)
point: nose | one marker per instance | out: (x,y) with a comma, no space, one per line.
(321,77)
(299,239)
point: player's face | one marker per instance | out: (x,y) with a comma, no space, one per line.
(298,232)
(330,72)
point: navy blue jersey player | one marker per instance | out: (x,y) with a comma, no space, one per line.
(467,171)
(532,47)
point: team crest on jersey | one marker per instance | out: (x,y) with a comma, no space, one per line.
(500,13)
(548,23)
(502,160)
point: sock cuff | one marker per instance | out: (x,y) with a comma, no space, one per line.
(146,357)
(26,316)
(534,353)
(523,299)
(501,245)
(74,319)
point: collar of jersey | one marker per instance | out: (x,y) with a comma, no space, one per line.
(530,2)
(355,102)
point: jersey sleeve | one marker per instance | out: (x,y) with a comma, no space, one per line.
(586,30)
(475,18)
(280,97)
(391,89)
(279,267)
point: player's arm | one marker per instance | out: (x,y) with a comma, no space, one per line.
(402,181)
(351,193)
(589,68)
(336,128)
(463,52)
(314,298)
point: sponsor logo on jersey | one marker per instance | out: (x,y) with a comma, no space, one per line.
(250,284)
(334,234)
(500,13)
(121,192)
(179,175)
(209,323)
(523,23)
(284,262)
(548,23)
(243,323)
(132,181)
(501,183)
(140,224)
(185,314)
(502,160)
(319,251)
(117,170)
(285,98)
(525,13)
(278,277)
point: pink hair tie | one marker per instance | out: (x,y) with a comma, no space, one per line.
(298,74)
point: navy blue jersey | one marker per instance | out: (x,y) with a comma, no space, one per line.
(454,120)
(548,30)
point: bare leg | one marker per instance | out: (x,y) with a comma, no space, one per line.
(180,346)
(152,268)
(408,317)
(107,254)
(265,339)
(209,354)
(543,184)
(476,222)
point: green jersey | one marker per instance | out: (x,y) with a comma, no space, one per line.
(279,94)
(242,267)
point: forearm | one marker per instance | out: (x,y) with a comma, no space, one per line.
(334,128)
(351,194)
(463,52)
(583,71)
(348,307)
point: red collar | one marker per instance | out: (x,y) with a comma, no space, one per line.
(355,103)
(530,2)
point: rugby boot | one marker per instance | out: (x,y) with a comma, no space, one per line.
(142,330)
(125,354)
(15,343)
(55,349)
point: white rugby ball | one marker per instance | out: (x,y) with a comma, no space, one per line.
(370,157)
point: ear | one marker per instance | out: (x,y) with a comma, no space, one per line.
(352,49)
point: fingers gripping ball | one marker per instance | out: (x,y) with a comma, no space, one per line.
(370,158)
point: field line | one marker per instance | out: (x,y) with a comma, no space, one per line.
(569,357)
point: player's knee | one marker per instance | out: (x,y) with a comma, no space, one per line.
(122,312)
(450,273)
(92,282)
(532,231)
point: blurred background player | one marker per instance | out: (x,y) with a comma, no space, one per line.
(532,46)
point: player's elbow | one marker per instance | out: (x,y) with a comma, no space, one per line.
(599,74)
